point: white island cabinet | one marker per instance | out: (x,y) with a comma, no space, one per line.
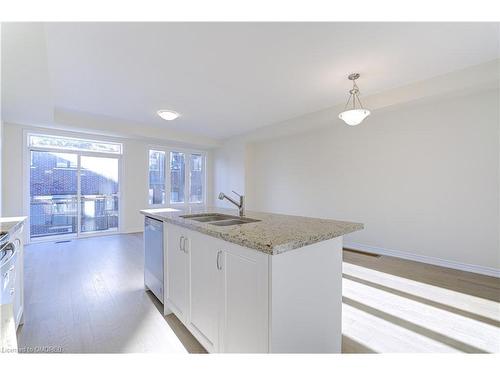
(218,290)
(237,299)
(176,271)
(259,283)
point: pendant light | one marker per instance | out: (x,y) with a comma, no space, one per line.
(352,115)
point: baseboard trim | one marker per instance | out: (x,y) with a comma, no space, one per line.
(488,271)
(133,230)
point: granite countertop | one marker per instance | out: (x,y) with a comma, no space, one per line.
(8,226)
(274,234)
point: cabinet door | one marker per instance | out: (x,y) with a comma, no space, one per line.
(176,271)
(203,287)
(244,318)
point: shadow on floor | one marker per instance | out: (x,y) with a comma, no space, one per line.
(477,285)
(185,337)
(350,346)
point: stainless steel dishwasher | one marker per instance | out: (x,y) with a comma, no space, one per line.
(153,256)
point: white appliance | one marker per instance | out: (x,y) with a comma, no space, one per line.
(153,256)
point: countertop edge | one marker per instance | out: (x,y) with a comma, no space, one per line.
(275,250)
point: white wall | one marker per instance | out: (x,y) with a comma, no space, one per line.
(134,182)
(12,171)
(1,128)
(1,136)
(229,163)
(423,177)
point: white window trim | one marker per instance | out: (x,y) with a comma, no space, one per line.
(62,149)
(187,169)
(26,181)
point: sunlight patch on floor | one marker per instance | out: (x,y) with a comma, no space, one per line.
(476,305)
(453,329)
(382,336)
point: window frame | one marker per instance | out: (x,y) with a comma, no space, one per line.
(187,178)
(203,177)
(73,150)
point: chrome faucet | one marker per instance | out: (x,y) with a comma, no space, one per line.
(240,205)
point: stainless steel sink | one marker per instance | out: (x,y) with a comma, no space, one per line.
(225,223)
(208,217)
(220,220)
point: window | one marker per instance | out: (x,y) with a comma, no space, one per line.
(196,179)
(181,180)
(177,177)
(98,193)
(53,194)
(156,177)
(65,143)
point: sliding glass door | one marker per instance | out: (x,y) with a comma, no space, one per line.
(98,194)
(72,193)
(53,193)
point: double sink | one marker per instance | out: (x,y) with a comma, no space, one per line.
(220,220)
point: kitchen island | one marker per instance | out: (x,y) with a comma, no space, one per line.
(262,283)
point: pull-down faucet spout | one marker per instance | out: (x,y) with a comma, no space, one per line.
(240,205)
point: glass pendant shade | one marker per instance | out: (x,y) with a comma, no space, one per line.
(354,117)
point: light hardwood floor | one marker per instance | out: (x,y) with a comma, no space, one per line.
(87,296)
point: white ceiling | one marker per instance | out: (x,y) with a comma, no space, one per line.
(230,78)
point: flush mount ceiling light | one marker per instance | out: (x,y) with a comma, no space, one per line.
(167,114)
(352,115)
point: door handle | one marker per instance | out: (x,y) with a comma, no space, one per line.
(181,241)
(219,266)
(184,244)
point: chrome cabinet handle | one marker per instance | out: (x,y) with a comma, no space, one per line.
(184,244)
(219,267)
(180,243)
